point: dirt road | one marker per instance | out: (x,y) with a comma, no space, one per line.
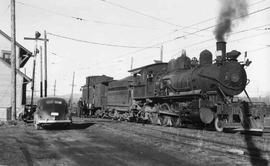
(92,143)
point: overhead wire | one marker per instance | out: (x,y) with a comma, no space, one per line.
(192,25)
(141,48)
(140,13)
(183,36)
(230,41)
(5,11)
(241,31)
(212,26)
(89,20)
(95,43)
(145,15)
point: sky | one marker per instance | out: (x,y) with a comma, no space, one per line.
(141,23)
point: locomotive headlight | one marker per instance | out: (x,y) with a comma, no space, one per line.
(235,77)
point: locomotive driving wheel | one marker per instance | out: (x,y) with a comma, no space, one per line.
(167,117)
(162,117)
(218,125)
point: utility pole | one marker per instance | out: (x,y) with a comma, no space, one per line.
(161,53)
(13,60)
(54,88)
(88,90)
(41,73)
(36,38)
(33,78)
(71,96)
(45,63)
(131,65)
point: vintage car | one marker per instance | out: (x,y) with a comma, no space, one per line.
(51,111)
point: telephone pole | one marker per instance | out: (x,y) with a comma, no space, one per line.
(36,38)
(13,60)
(54,88)
(161,53)
(45,63)
(71,96)
(33,78)
(131,65)
(41,73)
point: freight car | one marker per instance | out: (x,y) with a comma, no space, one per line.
(94,93)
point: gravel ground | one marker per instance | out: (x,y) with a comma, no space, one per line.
(103,142)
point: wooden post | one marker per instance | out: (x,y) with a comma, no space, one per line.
(41,73)
(72,88)
(13,60)
(54,88)
(131,65)
(161,53)
(88,91)
(33,78)
(45,64)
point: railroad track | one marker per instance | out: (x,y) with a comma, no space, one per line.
(211,141)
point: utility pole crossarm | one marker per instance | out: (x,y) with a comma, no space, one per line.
(31,38)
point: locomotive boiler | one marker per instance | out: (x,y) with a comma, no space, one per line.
(226,76)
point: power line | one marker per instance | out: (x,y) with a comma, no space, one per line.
(246,30)
(50,11)
(257,49)
(210,19)
(145,15)
(5,10)
(96,43)
(254,12)
(198,23)
(183,36)
(89,20)
(236,40)
(140,13)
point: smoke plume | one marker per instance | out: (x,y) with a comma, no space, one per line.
(230,9)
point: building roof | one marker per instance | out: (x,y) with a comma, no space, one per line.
(25,54)
(18,71)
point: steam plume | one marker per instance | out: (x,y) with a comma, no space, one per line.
(230,9)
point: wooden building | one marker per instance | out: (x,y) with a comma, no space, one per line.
(5,76)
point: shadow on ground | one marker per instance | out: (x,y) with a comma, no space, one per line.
(255,153)
(73,126)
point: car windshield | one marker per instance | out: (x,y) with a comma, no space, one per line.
(53,105)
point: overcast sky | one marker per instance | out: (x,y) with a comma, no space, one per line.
(148,23)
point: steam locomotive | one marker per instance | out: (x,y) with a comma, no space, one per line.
(180,92)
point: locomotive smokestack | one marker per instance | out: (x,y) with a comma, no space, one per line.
(221,46)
